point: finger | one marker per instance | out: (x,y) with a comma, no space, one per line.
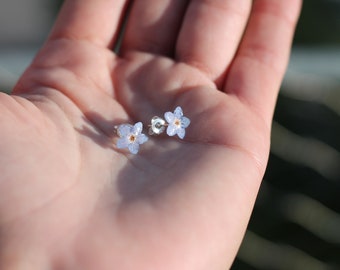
(153,26)
(257,71)
(210,34)
(93,21)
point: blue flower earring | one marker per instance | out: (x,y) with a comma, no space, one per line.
(175,123)
(131,136)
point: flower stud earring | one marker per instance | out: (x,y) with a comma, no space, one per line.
(175,123)
(131,137)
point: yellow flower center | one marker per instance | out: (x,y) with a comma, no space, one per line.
(132,138)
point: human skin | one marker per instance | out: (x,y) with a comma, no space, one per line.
(69,199)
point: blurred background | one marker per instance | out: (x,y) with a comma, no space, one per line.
(296,219)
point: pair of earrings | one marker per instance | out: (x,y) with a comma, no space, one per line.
(131,136)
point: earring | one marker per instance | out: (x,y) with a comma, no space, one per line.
(176,124)
(131,137)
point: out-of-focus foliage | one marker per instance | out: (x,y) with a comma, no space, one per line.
(319,23)
(296,220)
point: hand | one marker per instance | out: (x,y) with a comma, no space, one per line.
(69,199)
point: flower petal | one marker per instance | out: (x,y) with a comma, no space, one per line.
(171,130)
(124,130)
(178,112)
(133,148)
(169,117)
(181,132)
(142,138)
(137,128)
(185,122)
(122,143)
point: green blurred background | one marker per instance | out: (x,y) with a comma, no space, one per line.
(296,219)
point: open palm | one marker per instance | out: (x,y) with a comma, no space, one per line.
(69,199)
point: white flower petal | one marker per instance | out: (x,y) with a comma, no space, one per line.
(178,112)
(181,132)
(122,143)
(185,122)
(137,128)
(169,117)
(133,148)
(124,130)
(171,130)
(142,138)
